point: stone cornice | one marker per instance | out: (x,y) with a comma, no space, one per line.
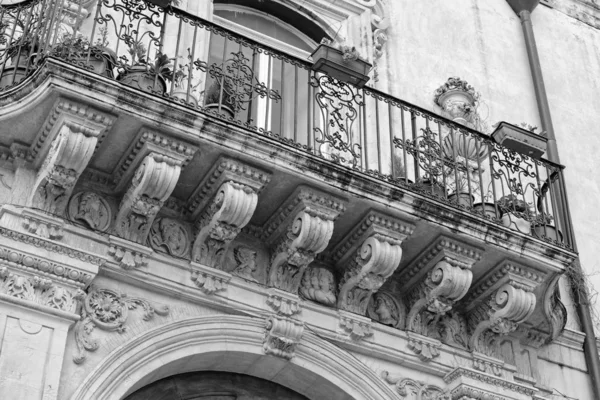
(465,373)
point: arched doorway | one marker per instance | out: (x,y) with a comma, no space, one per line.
(233,344)
(212,385)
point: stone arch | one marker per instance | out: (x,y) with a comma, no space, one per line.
(233,344)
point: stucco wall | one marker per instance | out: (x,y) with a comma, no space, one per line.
(482,42)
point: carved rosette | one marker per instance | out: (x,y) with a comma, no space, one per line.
(369,255)
(222,205)
(282,336)
(209,280)
(62,150)
(298,231)
(107,310)
(439,277)
(499,304)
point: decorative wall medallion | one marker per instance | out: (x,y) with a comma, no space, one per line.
(169,236)
(318,285)
(246,263)
(282,336)
(108,310)
(384,309)
(410,389)
(91,209)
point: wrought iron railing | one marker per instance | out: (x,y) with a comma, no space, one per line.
(201,65)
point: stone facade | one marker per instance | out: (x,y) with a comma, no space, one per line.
(148,248)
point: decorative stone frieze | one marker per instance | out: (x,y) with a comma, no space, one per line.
(368,256)
(282,335)
(43,225)
(127,254)
(354,326)
(284,303)
(169,236)
(426,348)
(62,150)
(222,205)
(501,301)
(435,280)
(107,310)
(90,209)
(409,387)
(471,383)
(298,231)
(209,280)
(318,285)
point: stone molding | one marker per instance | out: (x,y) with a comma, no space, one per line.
(107,310)
(129,255)
(368,256)
(298,231)
(499,303)
(284,303)
(436,279)
(209,280)
(354,326)
(222,205)
(43,225)
(426,348)
(460,375)
(490,365)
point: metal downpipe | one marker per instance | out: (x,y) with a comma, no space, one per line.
(524,8)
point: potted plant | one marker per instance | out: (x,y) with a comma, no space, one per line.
(224,99)
(78,50)
(487,207)
(520,139)
(22,54)
(430,185)
(341,62)
(183,77)
(460,190)
(543,228)
(141,74)
(515,213)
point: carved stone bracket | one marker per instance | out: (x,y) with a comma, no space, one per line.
(369,255)
(209,280)
(426,348)
(128,255)
(284,303)
(282,335)
(43,225)
(355,326)
(483,363)
(222,205)
(298,231)
(437,278)
(499,303)
(62,150)
(107,310)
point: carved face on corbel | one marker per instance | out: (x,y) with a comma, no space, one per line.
(168,234)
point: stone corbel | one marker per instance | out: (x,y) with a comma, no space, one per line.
(284,303)
(369,255)
(354,326)
(426,348)
(500,302)
(209,280)
(128,255)
(43,225)
(222,205)
(490,365)
(282,335)
(298,231)
(62,150)
(151,185)
(435,280)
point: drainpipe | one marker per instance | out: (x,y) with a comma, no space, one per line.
(524,8)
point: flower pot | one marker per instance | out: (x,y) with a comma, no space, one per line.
(161,3)
(182,97)
(547,231)
(214,108)
(331,61)
(520,140)
(431,187)
(515,223)
(487,209)
(462,199)
(138,77)
(18,73)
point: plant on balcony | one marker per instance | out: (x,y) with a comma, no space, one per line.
(78,50)
(341,62)
(542,226)
(151,77)
(487,206)
(521,139)
(516,213)
(184,77)
(165,3)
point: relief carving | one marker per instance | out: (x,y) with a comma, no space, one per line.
(246,263)
(169,236)
(91,209)
(385,310)
(282,336)
(415,390)
(107,310)
(318,285)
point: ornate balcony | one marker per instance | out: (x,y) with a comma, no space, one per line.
(174,142)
